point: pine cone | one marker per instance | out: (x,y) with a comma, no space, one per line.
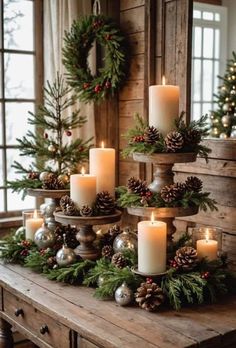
(71,210)
(104,204)
(172,192)
(64,201)
(174,141)
(193,184)
(119,260)
(186,258)
(33,175)
(151,135)
(51,183)
(149,296)
(192,137)
(107,251)
(86,211)
(51,261)
(137,186)
(70,236)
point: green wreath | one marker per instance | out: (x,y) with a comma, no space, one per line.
(78,43)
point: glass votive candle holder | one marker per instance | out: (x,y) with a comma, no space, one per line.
(32,221)
(207,241)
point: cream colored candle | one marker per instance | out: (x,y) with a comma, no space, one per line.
(32,225)
(102,164)
(163,107)
(83,189)
(152,237)
(207,248)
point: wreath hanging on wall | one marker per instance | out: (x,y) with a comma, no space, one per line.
(77,45)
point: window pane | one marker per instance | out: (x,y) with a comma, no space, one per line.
(196,112)
(1,200)
(15,201)
(207,80)
(197,42)
(19,76)
(1,169)
(18,24)
(216,79)
(16,121)
(196,14)
(197,80)
(217,43)
(208,16)
(13,155)
(217,17)
(208,43)
(206,108)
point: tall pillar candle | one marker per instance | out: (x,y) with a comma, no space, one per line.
(32,224)
(163,107)
(102,164)
(83,189)
(152,236)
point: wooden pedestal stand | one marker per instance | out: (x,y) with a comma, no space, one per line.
(163,175)
(86,234)
(50,207)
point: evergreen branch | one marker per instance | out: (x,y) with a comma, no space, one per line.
(37,260)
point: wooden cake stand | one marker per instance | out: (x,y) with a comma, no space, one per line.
(86,234)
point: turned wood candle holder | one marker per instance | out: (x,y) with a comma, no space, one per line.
(163,175)
(86,235)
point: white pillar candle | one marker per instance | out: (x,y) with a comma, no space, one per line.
(207,248)
(163,107)
(32,225)
(83,189)
(102,164)
(152,236)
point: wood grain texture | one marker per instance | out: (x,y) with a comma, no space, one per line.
(128,4)
(104,324)
(132,21)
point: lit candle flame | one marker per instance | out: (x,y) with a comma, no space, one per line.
(35,214)
(152,218)
(102,145)
(207,236)
(82,170)
(163,80)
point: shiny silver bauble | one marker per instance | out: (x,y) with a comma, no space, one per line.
(124,295)
(50,208)
(101,280)
(125,240)
(20,233)
(44,237)
(44,176)
(65,256)
(225,107)
(226,120)
(223,136)
(233,132)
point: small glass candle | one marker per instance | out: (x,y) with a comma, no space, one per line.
(32,221)
(207,241)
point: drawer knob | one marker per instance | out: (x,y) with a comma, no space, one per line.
(18,312)
(44,329)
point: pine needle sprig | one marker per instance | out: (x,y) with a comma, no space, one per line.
(37,261)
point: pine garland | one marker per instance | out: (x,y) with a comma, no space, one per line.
(192,134)
(77,44)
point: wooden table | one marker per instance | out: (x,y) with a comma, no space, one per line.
(62,316)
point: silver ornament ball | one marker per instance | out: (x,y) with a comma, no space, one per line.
(225,107)
(65,256)
(44,176)
(101,280)
(125,240)
(223,136)
(233,132)
(20,233)
(124,295)
(51,148)
(226,120)
(44,237)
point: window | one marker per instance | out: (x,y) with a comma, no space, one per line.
(20,88)
(208,55)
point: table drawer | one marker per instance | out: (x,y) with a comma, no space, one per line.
(37,322)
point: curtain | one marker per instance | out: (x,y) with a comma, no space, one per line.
(58,18)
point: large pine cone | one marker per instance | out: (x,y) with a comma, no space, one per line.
(68,207)
(174,141)
(119,260)
(64,201)
(192,137)
(149,296)
(51,182)
(186,258)
(193,184)
(172,192)
(151,135)
(70,236)
(86,211)
(137,186)
(107,251)
(104,204)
